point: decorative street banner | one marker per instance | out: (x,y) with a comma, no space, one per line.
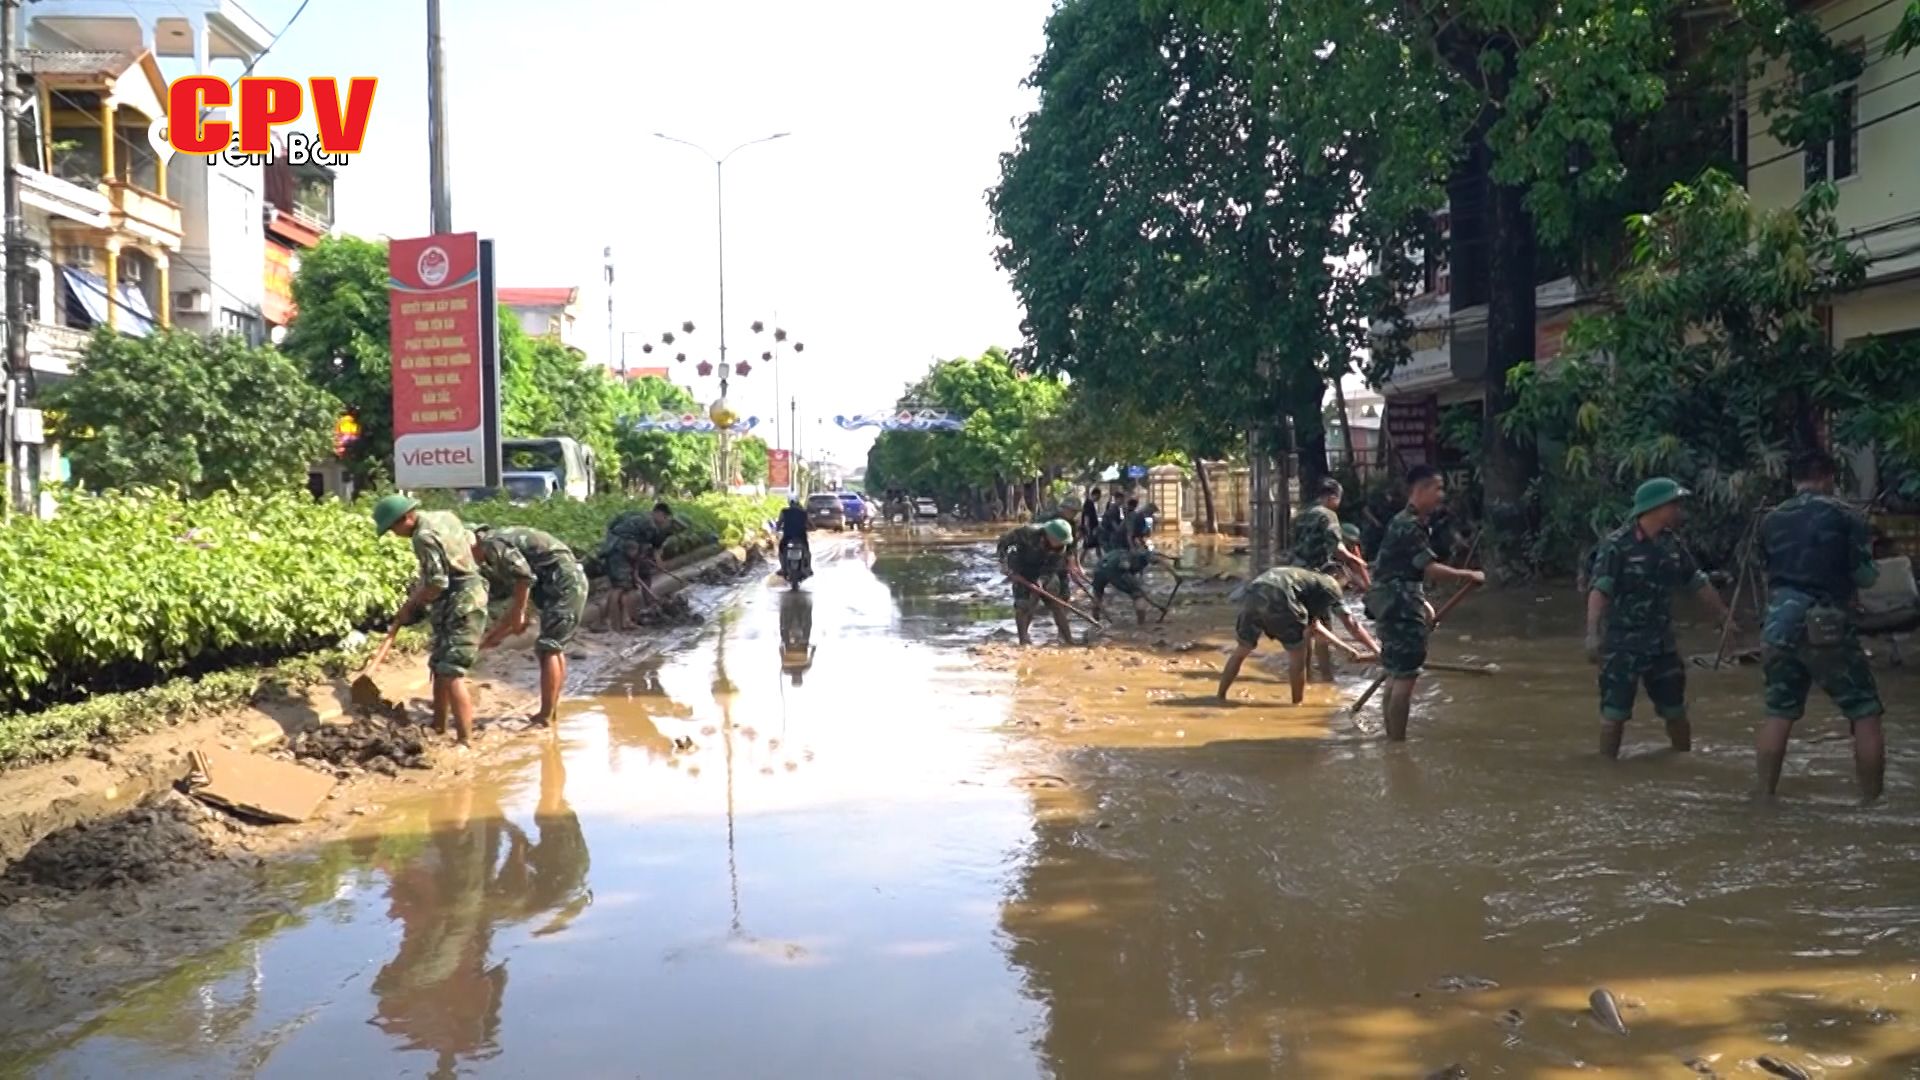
(446,367)
(904,420)
(689,423)
(780,470)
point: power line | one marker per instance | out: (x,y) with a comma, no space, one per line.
(1907,108)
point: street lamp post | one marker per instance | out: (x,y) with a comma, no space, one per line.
(720,228)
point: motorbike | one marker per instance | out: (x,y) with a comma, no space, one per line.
(793,565)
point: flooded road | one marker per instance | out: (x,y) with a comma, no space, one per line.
(931,855)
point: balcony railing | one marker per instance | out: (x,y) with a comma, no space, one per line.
(144,206)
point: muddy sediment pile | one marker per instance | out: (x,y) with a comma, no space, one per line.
(161,836)
(369,744)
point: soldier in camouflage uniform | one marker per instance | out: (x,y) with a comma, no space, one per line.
(1285,604)
(1121,570)
(452,593)
(631,553)
(1636,571)
(533,565)
(1319,538)
(1397,602)
(1035,553)
(1818,554)
(1071,569)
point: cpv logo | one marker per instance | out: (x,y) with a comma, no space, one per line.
(433,266)
(262,104)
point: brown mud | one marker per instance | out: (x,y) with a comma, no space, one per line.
(929,852)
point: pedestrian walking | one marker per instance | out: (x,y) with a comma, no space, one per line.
(1030,554)
(1636,571)
(452,595)
(1320,539)
(1285,604)
(1818,555)
(1089,531)
(1397,602)
(541,572)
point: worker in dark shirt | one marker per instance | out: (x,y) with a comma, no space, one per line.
(793,533)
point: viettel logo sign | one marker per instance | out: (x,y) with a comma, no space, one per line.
(262,103)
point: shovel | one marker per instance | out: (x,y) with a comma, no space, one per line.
(1168,606)
(1045,595)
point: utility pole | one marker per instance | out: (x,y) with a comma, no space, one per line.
(437,122)
(607,254)
(17,373)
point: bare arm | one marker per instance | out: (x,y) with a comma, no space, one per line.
(1357,564)
(1437,572)
(1359,632)
(515,620)
(1597,605)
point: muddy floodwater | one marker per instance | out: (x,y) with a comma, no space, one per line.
(929,854)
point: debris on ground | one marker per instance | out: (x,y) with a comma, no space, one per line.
(160,836)
(257,787)
(369,744)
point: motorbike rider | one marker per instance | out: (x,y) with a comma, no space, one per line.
(793,533)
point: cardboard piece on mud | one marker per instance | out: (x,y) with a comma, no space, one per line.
(259,787)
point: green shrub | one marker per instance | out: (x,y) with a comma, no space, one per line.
(124,590)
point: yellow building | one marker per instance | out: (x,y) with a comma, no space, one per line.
(92,116)
(1874,166)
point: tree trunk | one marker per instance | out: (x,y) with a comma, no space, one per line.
(1211,522)
(1507,467)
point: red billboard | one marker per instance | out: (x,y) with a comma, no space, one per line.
(780,469)
(446,408)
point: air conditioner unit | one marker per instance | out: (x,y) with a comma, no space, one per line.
(193,302)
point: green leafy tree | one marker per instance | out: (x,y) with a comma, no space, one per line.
(197,414)
(753,460)
(1002,448)
(549,389)
(341,338)
(1714,369)
(1186,216)
(669,463)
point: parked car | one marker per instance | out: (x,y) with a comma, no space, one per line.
(925,509)
(858,514)
(826,511)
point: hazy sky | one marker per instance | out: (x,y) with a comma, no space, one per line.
(866,229)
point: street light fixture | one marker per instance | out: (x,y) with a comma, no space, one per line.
(720,223)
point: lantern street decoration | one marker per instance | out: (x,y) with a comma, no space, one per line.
(704,368)
(742,368)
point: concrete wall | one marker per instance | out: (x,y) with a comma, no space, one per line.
(1873,202)
(224,252)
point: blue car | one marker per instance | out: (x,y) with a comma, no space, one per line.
(858,516)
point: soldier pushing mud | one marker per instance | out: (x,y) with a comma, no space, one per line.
(453,595)
(535,566)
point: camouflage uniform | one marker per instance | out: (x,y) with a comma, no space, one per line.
(1283,602)
(1639,576)
(1024,549)
(633,540)
(1316,537)
(1397,601)
(559,587)
(1818,553)
(1113,526)
(458,616)
(1120,570)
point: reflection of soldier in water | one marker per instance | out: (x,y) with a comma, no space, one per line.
(796,634)
(440,992)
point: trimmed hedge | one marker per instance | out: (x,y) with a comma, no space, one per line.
(126,590)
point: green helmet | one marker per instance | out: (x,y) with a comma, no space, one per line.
(1351,533)
(1059,532)
(389,510)
(1657,493)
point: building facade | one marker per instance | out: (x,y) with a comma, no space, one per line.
(545,312)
